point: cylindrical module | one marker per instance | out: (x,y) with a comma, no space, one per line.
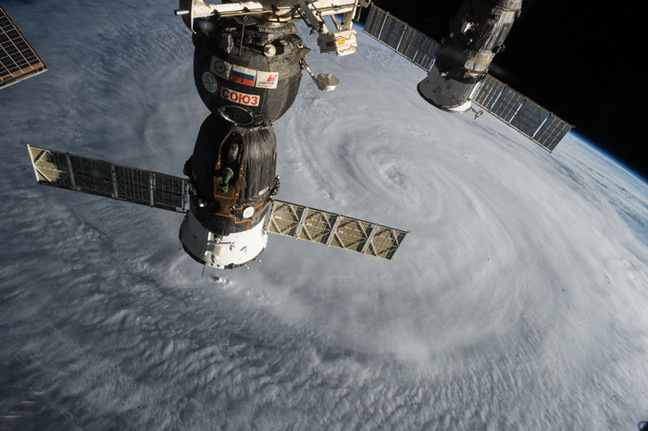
(476,35)
(248,74)
(232,176)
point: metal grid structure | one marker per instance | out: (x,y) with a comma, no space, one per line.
(521,113)
(101,178)
(515,109)
(18,60)
(399,36)
(301,222)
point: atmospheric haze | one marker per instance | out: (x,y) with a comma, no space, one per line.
(518,300)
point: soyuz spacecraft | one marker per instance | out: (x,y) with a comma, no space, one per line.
(248,63)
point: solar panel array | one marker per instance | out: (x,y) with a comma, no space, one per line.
(140,186)
(399,36)
(521,113)
(18,60)
(515,109)
(301,222)
(101,178)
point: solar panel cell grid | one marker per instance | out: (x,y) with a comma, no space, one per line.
(102,178)
(18,60)
(348,233)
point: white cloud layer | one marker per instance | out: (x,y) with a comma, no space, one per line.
(517,302)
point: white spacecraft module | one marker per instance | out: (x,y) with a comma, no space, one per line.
(18,59)
(455,91)
(171,193)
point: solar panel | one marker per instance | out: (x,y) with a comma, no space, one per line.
(18,60)
(515,109)
(301,222)
(521,113)
(140,186)
(399,36)
(102,178)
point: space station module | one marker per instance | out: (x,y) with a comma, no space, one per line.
(476,35)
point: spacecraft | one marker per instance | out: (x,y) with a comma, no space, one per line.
(476,34)
(457,67)
(248,63)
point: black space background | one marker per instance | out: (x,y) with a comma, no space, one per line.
(580,60)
